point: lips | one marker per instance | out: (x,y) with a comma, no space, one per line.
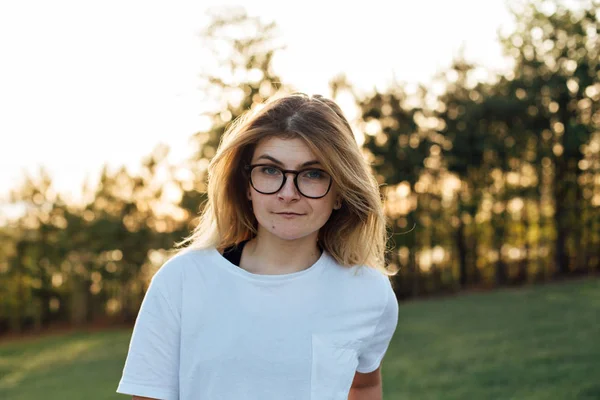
(288,213)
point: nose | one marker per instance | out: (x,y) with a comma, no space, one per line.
(288,191)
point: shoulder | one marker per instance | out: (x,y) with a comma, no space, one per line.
(169,281)
(380,293)
(367,274)
(378,282)
(175,268)
(366,280)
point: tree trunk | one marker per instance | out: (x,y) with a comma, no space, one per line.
(461,245)
(524,262)
(560,192)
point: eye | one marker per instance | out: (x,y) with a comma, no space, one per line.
(313,174)
(270,170)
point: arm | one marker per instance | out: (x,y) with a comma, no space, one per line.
(152,365)
(366,386)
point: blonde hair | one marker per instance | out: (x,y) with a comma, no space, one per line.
(354,235)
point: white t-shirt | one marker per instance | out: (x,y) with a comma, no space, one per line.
(210,330)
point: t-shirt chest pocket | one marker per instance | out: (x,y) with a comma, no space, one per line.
(334,362)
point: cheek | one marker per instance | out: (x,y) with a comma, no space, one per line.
(260,208)
(321,212)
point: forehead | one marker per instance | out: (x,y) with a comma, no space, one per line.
(291,152)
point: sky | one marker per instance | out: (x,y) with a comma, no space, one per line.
(84,83)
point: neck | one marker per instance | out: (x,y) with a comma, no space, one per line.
(266,254)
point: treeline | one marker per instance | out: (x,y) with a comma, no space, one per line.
(489,184)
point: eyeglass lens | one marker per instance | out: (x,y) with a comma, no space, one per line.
(311,182)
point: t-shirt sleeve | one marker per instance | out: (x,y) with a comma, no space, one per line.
(376,347)
(152,365)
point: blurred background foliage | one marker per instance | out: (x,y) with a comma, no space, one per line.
(487,184)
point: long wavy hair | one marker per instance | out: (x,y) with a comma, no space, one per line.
(354,235)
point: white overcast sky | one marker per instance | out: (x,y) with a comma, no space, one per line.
(87,82)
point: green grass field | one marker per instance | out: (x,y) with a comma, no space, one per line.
(533,343)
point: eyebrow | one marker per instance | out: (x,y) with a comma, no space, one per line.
(276,161)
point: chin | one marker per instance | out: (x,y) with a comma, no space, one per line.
(289,234)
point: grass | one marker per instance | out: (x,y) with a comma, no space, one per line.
(534,343)
(69,366)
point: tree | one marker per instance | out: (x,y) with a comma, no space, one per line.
(397,149)
(556,52)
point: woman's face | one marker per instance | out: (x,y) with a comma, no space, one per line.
(309,214)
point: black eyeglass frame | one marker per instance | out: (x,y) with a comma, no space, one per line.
(249,168)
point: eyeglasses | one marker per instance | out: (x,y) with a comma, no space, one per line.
(313,183)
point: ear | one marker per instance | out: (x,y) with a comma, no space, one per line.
(249,194)
(338,203)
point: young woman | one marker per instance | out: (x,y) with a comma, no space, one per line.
(281,292)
